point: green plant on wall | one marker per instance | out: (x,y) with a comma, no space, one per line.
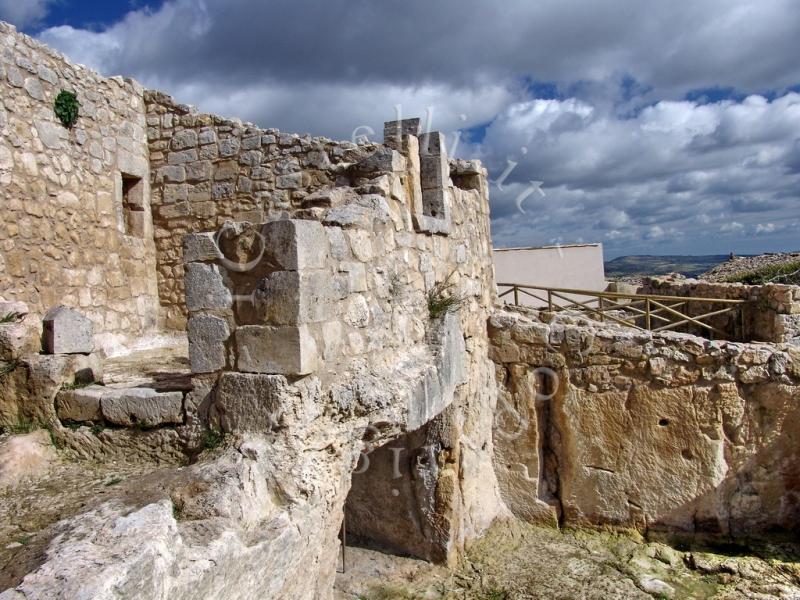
(66,108)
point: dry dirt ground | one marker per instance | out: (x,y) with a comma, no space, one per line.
(513,561)
(518,561)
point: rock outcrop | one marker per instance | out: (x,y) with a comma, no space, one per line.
(601,425)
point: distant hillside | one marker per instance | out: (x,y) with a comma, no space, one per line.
(690,266)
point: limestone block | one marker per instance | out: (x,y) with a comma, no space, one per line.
(296,244)
(248,402)
(432,144)
(329,197)
(357,312)
(383,160)
(200,247)
(362,214)
(331,339)
(205,288)
(393,131)
(291,181)
(79,405)
(142,406)
(66,331)
(207,335)
(356,276)
(434,171)
(295,297)
(16,339)
(280,350)
(186,138)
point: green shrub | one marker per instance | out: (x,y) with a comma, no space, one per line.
(783,273)
(12,317)
(66,108)
(442,299)
(7,367)
(211,439)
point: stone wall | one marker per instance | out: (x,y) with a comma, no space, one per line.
(207,170)
(343,301)
(76,224)
(600,425)
(771,312)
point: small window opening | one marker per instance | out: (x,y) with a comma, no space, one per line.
(133,205)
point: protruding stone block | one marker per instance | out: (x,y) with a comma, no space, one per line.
(277,350)
(207,335)
(297,244)
(361,214)
(200,247)
(66,331)
(205,288)
(383,160)
(294,297)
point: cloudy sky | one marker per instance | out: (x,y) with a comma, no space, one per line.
(668,127)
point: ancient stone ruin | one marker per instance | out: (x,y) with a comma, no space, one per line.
(301,332)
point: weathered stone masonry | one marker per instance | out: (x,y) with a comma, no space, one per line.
(67,235)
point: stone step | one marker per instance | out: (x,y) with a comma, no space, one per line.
(127,407)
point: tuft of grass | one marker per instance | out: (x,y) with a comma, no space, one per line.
(211,439)
(97,428)
(494,594)
(113,481)
(12,317)
(8,366)
(21,426)
(443,299)
(786,273)
(77,385)
(24,539)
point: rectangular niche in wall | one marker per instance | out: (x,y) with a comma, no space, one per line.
(133,204)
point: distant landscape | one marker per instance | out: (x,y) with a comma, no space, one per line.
(690,266)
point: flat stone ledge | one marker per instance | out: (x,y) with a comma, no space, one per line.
(121,406)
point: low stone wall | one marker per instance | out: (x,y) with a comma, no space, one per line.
(76,226)
(601,425)
(771,312)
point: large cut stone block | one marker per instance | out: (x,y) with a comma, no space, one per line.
(295,297)
(205,288)
(66,331)
(200,247)
(279,350)
(142,406)
(249,402)
(120,406)
(393,131)
(297,244)
(432,144)
(207,335)
(434,171)
(79,405)
(383,160)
